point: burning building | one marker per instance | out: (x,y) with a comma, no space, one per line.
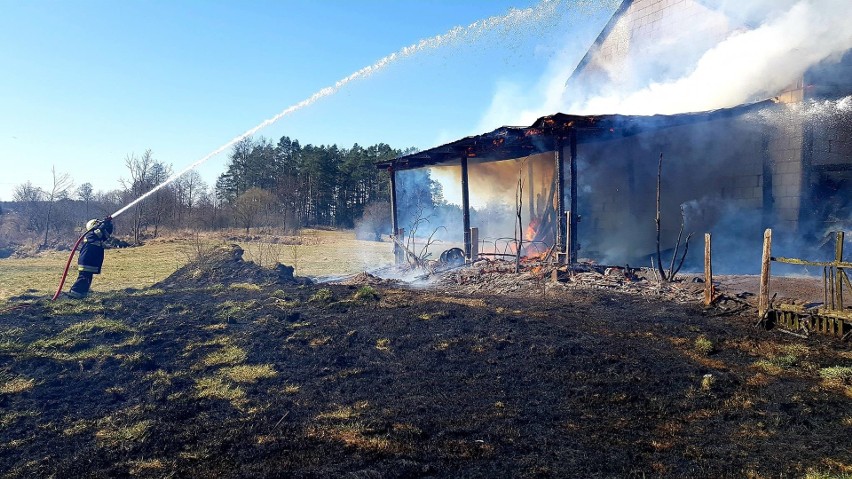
(584,185)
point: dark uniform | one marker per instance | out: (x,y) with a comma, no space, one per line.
(91,258)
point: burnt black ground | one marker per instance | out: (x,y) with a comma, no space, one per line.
(415,384)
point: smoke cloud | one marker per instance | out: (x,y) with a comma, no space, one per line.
(769,47)
(746,65)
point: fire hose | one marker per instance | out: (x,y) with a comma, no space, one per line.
(71,256)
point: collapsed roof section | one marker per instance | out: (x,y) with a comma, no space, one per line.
(509,142)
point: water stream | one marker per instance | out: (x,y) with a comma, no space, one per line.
(514,18)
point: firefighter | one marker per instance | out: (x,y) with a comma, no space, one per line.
(91,256)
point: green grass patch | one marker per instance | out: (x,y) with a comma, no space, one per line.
(245,286)
(10,342)
(291,389)
(148,292)
(383,344)
(344,413)
(777,364)
(228,355)
(324,295)
(77,331)
(248,373)
(75,343)
(232,310)
(220,341)
(15,385)
(8,418)
(811,474)
(123,436)
(703,346)
(215,387)
(74,307)
(366,293)
(837,373)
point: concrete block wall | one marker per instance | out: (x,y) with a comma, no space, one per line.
(832,144)
(634,40)
(785,156)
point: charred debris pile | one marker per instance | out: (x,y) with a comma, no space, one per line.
(531,276)
(225,266)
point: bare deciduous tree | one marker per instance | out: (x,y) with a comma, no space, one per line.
(62,183)
(138,184)
(251,205)
(85,193)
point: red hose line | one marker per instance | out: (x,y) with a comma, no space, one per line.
(67,265)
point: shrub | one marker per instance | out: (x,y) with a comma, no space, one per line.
(703,345)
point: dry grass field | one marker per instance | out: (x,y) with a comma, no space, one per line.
(315,253)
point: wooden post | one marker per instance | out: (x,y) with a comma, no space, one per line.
(838,275)
(569,253)
(559,179)
(763,294)
(573,217)
(399,253)
(465,207)
(708,271)
(474,244)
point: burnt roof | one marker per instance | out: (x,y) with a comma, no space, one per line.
(511,142)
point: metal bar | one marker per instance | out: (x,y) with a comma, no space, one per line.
(763,295)
(559,178)
(465,207)
(573,219)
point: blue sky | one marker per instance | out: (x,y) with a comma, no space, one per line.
(86,83)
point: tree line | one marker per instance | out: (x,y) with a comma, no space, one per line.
(283,185)
(312,185)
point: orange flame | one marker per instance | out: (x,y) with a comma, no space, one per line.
(532,229)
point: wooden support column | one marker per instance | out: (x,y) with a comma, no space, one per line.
(397,253)
(574,217)
(568,234)
(465,208)
(474,244)
(559,178)
(763,292)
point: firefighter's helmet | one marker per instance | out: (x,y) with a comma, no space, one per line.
(91,224)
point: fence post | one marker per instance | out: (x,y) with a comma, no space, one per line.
(708,272)
(763,295)
(838,279)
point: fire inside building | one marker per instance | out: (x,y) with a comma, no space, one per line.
(584,186)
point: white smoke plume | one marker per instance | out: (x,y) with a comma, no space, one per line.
(770,48)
